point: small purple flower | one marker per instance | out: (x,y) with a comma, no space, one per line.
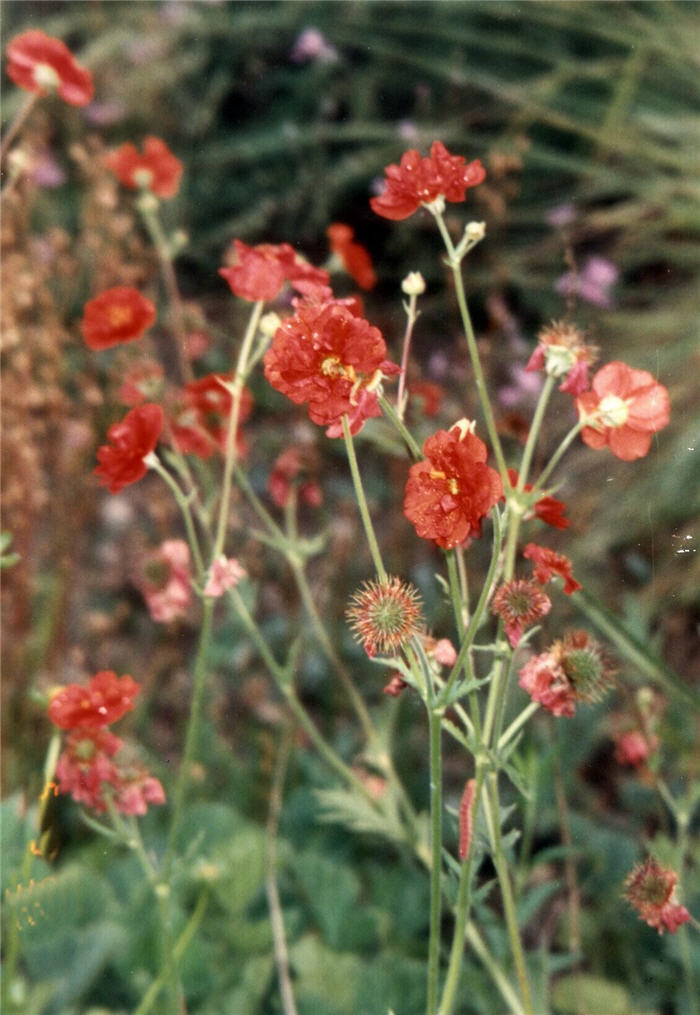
(311,44)
(561,215)
(48,172)
(592,283)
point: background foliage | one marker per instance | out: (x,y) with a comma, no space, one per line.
(592,106)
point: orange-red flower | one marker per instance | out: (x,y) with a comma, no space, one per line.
(156,170)
(519,603)
(117,315)
(258,273)
(449,493)
(651,890)
(623,409)
(122,461)
(550,564)
(199,425)
(328,357)
(42,64)
(106,698)
(355,258)
(416,181)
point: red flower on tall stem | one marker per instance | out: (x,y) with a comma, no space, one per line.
(519,603)
(416,181)
(105,699)
(449,492)
(41,64)
(550,564)
(623,409)
(156,170)
(122,461)
(331,359)
(355,258)
(572,670)
(116,316)
(258,273)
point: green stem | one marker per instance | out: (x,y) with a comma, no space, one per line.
(517,724)
(193,732)
(179,950)
(493,968)
(362,502)
(403,430)
(556,457)
(492,805)
(455,264)
(435,727)
(533,435)
(454,967)
(148,206)
(17,124)
(412,317)
(240,375)
(183,502)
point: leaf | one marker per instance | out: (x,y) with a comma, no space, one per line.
(593,994)
(356,813)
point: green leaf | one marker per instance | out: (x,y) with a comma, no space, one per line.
(593,994)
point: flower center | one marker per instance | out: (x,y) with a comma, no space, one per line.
(46,77)
(118,316)
(143,178)
(452,484)
(332,366)
(613,411)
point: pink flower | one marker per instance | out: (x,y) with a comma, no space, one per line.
(592,283)
(165,582)
(623,409)
(572,670)
(225,573)
(634,748)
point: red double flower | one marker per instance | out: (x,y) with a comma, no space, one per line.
(416,181)
(331,359)
(449,493)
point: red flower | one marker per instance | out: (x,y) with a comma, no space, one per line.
(418,181)
(157,170)
(573,669)
(547,509)
(122,463)
(356,259)
(133,789)
(200,423)
(430,395)
(549,564)
(117,315)
(258,273)
(449,493)
(106,698)
(42,64)
(651,890)
(519,603)
(623,409)
(332,359)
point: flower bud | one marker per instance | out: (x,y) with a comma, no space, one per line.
(413,284)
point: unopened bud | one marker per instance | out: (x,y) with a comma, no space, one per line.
(413,284)
(475,231)
(269,323)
